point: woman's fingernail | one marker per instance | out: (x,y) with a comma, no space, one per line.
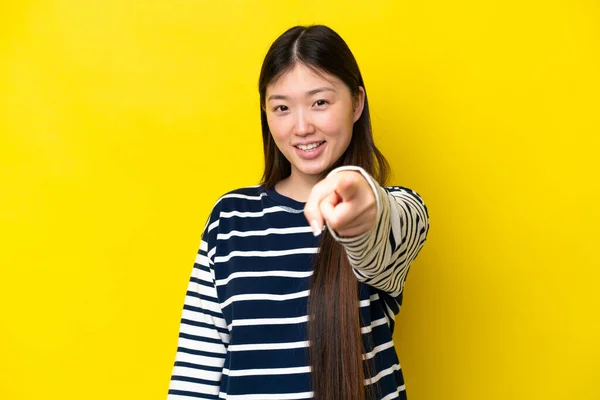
(315,227)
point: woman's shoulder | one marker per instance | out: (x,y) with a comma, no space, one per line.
(241,199)
(235,202)
(396,189)
(406,193)
(243,191)
(241,195)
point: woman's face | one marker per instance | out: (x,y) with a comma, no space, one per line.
(311,119)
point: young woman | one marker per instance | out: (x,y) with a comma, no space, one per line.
(297,280)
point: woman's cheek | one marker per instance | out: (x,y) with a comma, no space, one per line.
(331,124)
(275,126)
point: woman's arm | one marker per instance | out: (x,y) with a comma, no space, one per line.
(203,334)
(382,255)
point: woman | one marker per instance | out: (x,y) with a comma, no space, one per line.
(322,223)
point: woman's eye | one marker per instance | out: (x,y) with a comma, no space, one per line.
(280,108)
(321,102)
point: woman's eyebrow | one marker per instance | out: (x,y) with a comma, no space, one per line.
(308,94)
(319,90)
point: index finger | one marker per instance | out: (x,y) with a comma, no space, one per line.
(318,193)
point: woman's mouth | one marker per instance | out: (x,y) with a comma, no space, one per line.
(310,151)
(309,147)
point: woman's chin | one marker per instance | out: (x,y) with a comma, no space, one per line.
(316,171)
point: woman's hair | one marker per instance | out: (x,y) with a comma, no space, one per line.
(336,342)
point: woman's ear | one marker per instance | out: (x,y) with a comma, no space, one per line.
(359,103)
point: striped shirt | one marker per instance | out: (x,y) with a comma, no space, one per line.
(243,330)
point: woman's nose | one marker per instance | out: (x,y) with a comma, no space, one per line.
(304,125)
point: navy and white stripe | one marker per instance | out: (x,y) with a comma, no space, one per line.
(243,327)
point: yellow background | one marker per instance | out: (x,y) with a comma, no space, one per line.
(121,123)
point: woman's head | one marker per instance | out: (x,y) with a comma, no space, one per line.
(312,93)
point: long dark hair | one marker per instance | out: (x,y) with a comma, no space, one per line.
(336,343)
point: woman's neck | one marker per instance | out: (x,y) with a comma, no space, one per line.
(297,187)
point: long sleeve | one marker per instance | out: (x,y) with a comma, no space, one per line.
(203,333)
(381,257)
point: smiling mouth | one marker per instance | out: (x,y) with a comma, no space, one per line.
(309,147)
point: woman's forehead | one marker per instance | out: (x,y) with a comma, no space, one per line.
(302,78)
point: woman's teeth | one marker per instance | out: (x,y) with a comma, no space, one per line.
(309,146)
